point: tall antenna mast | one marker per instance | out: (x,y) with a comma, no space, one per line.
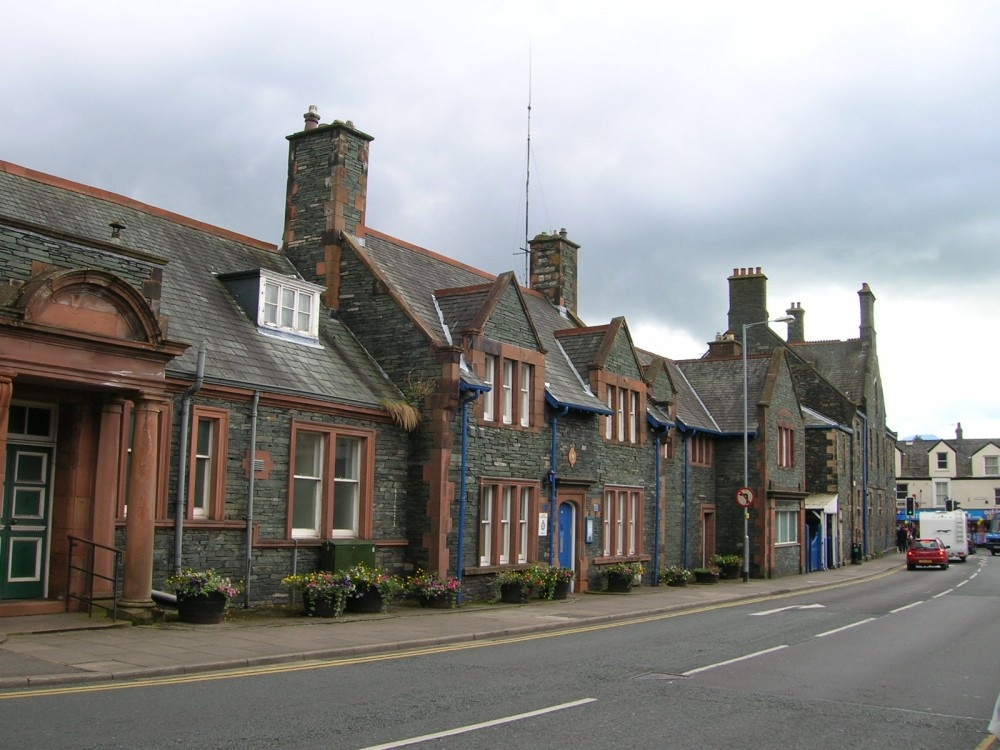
(527,184)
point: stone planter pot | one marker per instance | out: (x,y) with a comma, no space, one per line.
(677,583)
(441,601)
(561,590)
(202,610)
(702,577)
(730,572)
(365,601)
(619,583)
(320,607)
(514,593)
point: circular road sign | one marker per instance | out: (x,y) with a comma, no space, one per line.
(744,497)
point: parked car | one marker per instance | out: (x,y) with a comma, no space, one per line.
(926,552)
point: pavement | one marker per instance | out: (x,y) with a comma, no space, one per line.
(74,648)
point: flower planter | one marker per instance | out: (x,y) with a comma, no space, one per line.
(365,601)
(619,583)
(730,572)
(679,582)
(514,593)
(202,610)
(440,601)
(561,590)
(703,577)
(320,606)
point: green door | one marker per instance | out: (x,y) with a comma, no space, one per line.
(24,521)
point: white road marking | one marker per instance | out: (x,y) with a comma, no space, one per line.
(900,609)
(481,725)
(846,627)
(782,609)
(731,661)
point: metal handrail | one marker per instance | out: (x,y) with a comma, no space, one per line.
(91,574)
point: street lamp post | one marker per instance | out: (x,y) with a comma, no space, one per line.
(746,442)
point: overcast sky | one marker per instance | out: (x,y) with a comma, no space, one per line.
(830,144)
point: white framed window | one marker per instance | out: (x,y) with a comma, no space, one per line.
(524,407)
(307,481)
(490,378)
(941,494)
(523,517)
(991,466)
(508,391)
(623,423)
(633,417)
(347,487)
(787,526)
(331,493)
(942,459)
(505,522)
(622,522)
(486,526)
(207,483)
(287,304)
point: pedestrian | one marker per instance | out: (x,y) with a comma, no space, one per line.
(901,538)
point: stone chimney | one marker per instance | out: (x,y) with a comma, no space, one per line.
(797,328)
(958,431)
(867,314)
(554,268)
(326,196)
(725,345)
(747,297)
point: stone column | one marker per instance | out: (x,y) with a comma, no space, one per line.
(137,587)
(105,506)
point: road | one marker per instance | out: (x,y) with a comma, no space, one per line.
(907,661)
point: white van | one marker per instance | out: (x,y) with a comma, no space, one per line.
(951,527)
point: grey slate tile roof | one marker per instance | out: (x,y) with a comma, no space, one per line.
(842,363)
(719,385)
(416,274)
(916,462)
(198,305)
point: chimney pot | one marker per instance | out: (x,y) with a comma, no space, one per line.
(311,118)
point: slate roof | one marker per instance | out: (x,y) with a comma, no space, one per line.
(415,275)
(197,304)
(719,384)
(842,363)
(916,463)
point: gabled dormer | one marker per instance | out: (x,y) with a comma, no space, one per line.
(986,461)
(608,356)
(499,339)
(941,460)
(279,305)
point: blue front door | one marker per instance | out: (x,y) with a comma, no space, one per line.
(567,534)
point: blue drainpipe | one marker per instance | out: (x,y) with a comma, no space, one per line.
(657,464)
(469,394)
(552,482)
(687,503)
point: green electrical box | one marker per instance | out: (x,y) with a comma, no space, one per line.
(341,554)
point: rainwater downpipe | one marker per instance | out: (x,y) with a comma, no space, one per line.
(180,508)
(864,486)
(687,501)
(250,493)
(468,395)
(656,496)
(553,474)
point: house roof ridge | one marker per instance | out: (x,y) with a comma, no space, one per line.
(97,193)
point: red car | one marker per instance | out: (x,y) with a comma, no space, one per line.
(925,552)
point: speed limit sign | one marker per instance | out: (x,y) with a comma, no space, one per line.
(744,497)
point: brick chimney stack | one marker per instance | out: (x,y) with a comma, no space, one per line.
(797,328)
(554,268)
(326,196)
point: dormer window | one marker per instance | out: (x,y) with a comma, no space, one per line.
(288,304)
(279,305)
